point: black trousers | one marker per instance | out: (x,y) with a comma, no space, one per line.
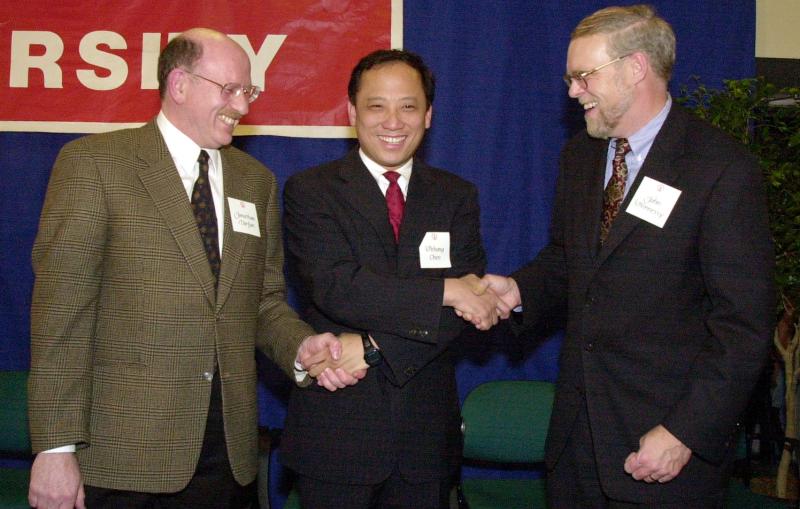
(212,486)
(574,482)
(393,493)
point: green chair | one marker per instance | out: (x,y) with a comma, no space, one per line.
(14,440)
(293,501)
(505,423)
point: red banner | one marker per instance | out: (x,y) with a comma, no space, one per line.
(78,66)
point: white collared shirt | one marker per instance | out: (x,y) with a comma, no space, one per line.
(377,171)
(184,153)
(641,142)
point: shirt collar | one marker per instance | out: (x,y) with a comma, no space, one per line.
(377,170)
(642,140)
(183,150)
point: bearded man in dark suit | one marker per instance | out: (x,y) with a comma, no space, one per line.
(384,245)
(149,301)
(660,258)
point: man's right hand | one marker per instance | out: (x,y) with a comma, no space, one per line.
(317,353)
(471,301)
(56,482)
(350,361)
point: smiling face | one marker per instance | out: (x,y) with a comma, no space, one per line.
(607,98)
(391,113)
(202,112)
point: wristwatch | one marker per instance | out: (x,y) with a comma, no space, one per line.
(372,356)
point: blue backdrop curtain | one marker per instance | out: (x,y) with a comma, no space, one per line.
(501,116)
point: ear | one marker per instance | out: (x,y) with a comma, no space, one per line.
(177,85)
(428,115)
(639,66)
(351,113)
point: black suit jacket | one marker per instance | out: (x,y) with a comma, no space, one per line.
(405,412)
(665,325)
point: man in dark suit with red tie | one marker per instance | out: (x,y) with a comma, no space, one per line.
(384,245)
(664,277)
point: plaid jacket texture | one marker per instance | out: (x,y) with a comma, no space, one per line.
(125,323)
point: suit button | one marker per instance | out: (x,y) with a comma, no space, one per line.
(208,376)
(589,346)
(410,371)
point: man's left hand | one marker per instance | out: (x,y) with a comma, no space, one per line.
(322,356)
(660,458)
(321,350)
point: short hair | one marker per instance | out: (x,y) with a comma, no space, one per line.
(179,52)
(630,29)
(387,56)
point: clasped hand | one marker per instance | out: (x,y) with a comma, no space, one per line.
(482,301)
(334,362)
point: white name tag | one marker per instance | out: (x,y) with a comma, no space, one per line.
(653,201)
(244,217)
(434,251)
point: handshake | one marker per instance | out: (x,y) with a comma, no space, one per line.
(482,301)
(337,362)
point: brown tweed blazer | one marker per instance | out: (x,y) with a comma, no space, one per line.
(125,324)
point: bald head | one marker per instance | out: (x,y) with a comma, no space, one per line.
(185,50)
(198,70)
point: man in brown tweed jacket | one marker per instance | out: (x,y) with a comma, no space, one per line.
(142,358)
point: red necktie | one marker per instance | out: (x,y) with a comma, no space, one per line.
(615,189)
(394,202)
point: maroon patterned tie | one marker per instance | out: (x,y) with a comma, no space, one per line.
(205,215)
(394,202)
(615,189)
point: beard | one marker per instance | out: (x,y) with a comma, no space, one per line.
(609,115)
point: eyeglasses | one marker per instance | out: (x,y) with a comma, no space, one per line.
(232,90)
(580,77)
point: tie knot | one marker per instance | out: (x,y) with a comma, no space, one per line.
(623,147)
(202,159)
(392,176)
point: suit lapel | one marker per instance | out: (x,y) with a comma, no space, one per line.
(659,165)
(421,202)
(592,188)
(161,180)
(363,193)
(233,243)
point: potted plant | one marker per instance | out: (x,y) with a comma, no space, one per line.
(767,120)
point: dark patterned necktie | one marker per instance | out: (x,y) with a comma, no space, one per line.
(394,202)
(615,189)
(205,215)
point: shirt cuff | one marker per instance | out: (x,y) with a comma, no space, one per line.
(300,374)
(63,448)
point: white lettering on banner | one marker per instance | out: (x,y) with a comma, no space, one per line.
(259,62)
(92,51)
(151,47)
(91,54)
(22,60)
